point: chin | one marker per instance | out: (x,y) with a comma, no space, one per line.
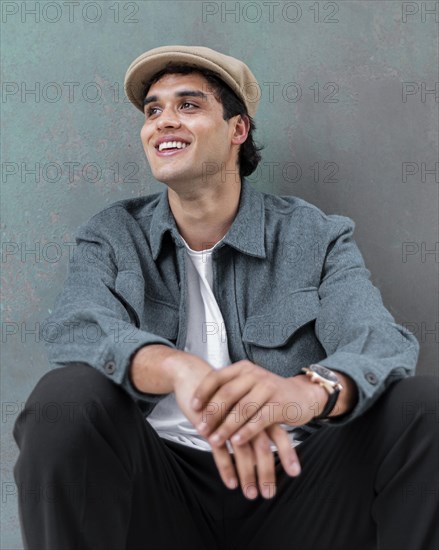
(169,177)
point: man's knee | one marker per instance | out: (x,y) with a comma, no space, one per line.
(63,401)
(418,399)
(410,406)
(76,381)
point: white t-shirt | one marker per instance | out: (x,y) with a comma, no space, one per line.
(206,338)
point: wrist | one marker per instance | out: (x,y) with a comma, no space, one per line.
(340,389)
(175,366)
(316,395)
(149,371)
(313,396)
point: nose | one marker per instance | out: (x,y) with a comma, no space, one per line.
(168,119)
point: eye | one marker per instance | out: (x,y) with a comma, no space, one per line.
(188,103)
(150,111)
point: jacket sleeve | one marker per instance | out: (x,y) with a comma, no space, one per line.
(359,335)
(90,322)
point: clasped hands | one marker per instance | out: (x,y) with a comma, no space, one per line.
(246,404)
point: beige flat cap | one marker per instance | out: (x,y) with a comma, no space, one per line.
(232,71)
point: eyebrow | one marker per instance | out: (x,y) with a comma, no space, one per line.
(184,93)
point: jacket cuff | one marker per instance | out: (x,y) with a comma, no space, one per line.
(113,357)
(116,362)
(369,376)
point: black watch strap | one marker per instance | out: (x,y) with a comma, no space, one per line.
(330,404)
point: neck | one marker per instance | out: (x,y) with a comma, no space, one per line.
(204,215)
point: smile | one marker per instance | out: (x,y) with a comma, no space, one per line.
(172,145)
(170,148)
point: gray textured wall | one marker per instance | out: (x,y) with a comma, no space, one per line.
(347,117)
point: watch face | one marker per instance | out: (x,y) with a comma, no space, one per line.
(324,373)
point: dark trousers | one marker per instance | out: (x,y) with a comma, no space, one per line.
(92,474)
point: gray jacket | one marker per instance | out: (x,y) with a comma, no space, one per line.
(290,282)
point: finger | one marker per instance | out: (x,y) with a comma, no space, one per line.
(287,454)
(226,468)
(262,418)
(234,407)
(245,461)
(217,378)
(265,465)
(210,383)
(243,423)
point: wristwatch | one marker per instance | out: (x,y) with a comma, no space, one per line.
(328,380)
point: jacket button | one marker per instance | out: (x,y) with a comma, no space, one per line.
(110,367)
(372,378)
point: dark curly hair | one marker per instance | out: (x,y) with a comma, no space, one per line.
(248,157)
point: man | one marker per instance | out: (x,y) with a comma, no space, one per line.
(259,307)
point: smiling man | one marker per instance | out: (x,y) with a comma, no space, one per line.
(227,375)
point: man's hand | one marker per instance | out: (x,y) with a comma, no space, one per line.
(188,373)
(243,400)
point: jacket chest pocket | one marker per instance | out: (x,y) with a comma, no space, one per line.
(283,340)
(146,312)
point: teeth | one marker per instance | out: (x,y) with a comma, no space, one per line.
(172,145)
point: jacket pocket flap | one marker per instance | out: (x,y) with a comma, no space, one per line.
(274,329)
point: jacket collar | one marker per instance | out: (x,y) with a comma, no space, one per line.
(246,233)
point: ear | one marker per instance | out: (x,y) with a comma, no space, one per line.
(241,129)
